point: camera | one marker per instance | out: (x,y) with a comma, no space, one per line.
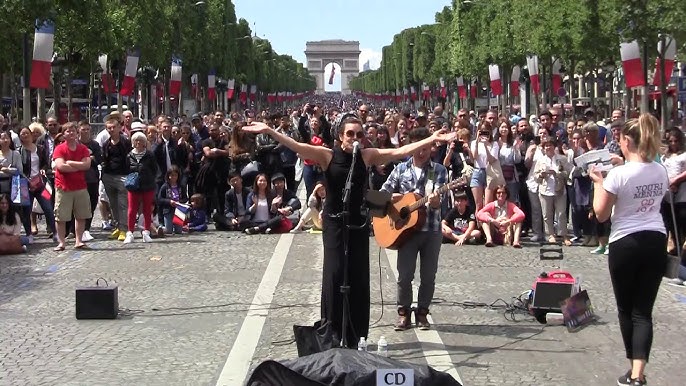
(458,144)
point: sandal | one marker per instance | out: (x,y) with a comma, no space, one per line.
(59,248)
(83,247)
(489,244)
(516,246)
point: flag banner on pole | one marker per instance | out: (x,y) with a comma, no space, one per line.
(631,63)
(253,92)
(426,91)
(129,81)
(413,93)
(461,88)
(43,45)
(243,96)
(494,75)
(333,73)
(444,89)
(181,214)
(211,81)
(514,81)
(194,86)
(106,78)
(670,55)
(175,78)
(230,87)
(474,89)
(557,76)
(532,66)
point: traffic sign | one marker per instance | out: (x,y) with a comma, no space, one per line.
(561,92)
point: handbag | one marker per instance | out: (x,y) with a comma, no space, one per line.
(10,245)
(20,190)
(132,182)
(494,175)
(673,262)
(36,183)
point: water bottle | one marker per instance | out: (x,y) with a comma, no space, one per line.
(382,347)
(362,344)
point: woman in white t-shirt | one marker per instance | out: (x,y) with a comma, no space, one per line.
(484,152)
(632,193)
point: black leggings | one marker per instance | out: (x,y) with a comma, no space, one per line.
(637,263)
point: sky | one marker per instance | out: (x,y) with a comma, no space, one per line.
(288,24)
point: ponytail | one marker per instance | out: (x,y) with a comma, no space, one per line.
(644,131)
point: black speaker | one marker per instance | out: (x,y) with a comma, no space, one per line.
(99,302)
(548,296)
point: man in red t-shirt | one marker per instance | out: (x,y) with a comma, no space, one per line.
(71,160)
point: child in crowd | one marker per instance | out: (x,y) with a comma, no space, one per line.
(459,225)
(313,213)
(197,218)
(169,196)
(10,227)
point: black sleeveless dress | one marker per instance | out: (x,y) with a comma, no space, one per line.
(358,263)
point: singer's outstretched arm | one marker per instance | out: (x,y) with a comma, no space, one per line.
(375,156)
(319,154)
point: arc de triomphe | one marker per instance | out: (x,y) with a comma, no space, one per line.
(345,53)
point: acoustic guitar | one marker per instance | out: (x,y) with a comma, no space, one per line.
(405,217)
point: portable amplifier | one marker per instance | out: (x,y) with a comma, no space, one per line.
(99,302)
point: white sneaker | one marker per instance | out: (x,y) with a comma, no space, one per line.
(146,237)
(129,238)
(87,236)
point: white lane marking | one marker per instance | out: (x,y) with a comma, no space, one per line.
(432,345)
(238,363)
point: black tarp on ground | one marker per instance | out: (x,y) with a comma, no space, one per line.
(340,367)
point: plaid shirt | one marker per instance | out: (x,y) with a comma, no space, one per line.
(403,179)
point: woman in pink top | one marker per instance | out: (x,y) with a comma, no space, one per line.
(501,220)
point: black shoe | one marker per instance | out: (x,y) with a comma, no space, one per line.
(404,319)
(626,380)
(420,317)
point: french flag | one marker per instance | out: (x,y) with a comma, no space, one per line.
(47,192)
(514,81)
(130,72)
(333,73)
(631,63)
(494,75)
(669,54)
(211,80)
(243,96)
(426,91)
(532,66)
(444,90)
(181,214)
(461,88)
(557,76)
(230,88)
(175,79)
(194,86)
(413,93)
(474,90)
(253,92)
(43,46)
(106,77)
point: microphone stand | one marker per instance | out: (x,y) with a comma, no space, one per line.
(345,287)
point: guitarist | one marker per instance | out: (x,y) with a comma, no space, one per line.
(418,175)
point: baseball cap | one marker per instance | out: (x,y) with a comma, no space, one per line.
(196,116)
(278,176)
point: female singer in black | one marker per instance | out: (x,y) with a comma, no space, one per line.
(336,163)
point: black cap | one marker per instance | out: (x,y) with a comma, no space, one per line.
(589,111)
(196,116)
(278,176)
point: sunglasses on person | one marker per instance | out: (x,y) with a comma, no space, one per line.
(500,192)
(354,134)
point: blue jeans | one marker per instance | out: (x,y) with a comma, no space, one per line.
(48,210)
(24,240)
(169,226)
(311,175)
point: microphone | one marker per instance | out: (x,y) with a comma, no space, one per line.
(356,147)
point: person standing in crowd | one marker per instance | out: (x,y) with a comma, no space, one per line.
(311,171)
(216,165)
(33,165)
(241,150)
(551,171)
(72,160)
(601,229)
(115,154)
(484,152)
(632,194)
(288,157)
(141,161)
(10,163)
(418,175)
(336,162)
(167,153)
(509,156)
(674,161)
(92,174)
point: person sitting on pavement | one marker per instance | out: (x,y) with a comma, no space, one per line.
(10,224)
(313,213)
(501,220)
(270,207)
(459,224)
(170,195)
(236,205)
(197,217)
